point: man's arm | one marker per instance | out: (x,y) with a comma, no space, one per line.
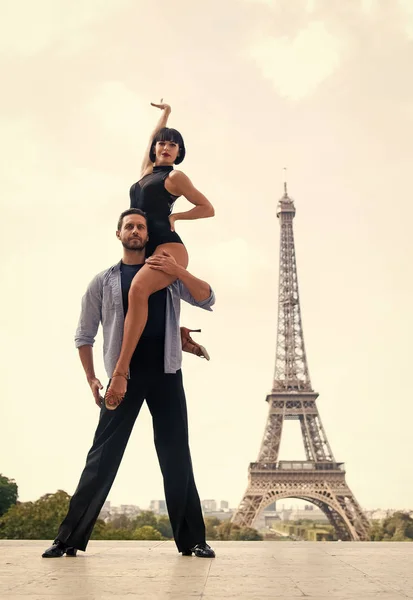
(90,314)
(193,290)
(88,326)
(86,358)
(200,290)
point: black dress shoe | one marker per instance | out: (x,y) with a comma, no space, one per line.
(201,550)
(57,549)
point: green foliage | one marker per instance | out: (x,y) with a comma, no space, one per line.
(35,520)
(229,531)
(396,528)
(98,532)
(164,527)
(121,522)
(8,494)
(249,534)
(147,532)
(41,520)
(146,517)
(211,523)
(146,526)
(376,531)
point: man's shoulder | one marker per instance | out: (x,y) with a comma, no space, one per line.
(103,277)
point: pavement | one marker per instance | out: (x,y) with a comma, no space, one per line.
(241,570)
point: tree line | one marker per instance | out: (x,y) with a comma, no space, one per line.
(40,520)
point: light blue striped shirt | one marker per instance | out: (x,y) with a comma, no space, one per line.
(102,303)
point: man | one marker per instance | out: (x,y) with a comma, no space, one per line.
(155,376)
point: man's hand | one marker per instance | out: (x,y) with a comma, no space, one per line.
(189,345)
(95,386)
(164,262)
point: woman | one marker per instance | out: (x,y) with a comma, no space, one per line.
(155,193)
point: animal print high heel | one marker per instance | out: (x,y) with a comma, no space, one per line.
(189,345)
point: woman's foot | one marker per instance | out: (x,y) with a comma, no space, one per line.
(116,390)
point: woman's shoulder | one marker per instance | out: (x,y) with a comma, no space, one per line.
(178,177)
(177,174)
(175,182)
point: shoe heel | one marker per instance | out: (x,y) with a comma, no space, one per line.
(71,551)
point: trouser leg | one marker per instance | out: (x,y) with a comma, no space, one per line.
(103,460)
(167,404)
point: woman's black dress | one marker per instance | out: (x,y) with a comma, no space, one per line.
(150,195)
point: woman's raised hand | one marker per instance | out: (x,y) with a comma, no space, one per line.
(162,106)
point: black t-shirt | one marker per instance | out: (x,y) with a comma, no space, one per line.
(155,326)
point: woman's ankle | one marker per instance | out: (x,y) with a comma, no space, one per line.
(119,372)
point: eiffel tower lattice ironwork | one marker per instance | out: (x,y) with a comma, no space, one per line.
(319,479)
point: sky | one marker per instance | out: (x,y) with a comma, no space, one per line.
(322,87)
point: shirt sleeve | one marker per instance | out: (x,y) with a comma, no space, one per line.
(91,314)
(187,297)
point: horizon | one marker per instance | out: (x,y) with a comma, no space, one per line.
(311,86)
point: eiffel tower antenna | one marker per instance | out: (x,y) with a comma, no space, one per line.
(319,479)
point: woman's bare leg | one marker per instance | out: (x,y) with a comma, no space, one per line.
(146,282)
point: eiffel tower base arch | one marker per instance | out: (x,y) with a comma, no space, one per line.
(328,491)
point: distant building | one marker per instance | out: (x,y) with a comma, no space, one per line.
(224,505)
(309,513)
(222,515)
(209,505)
(130,510)
(108,511)
(158,507)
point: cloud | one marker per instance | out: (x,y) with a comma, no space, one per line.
(406,7)
(267,2)
(117,108)
(36,176)
(309,5)
(236,262)
(28,28)
(297,66)
(367,6)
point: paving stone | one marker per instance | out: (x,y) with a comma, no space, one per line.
(119,570)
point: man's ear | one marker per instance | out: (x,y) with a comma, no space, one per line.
(118,234)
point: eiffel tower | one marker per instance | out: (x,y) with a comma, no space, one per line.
(319,479)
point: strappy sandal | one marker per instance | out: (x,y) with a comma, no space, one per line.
(193,347)
(112,400)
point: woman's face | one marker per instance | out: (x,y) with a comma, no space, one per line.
(166,153)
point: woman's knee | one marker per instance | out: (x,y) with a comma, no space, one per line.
(138,291)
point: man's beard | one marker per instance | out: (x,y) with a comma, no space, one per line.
(129,246)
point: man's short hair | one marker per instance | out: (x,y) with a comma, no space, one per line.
(130,211)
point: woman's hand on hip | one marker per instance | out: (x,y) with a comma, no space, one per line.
(172,219)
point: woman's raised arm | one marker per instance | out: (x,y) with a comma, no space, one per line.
(146,162)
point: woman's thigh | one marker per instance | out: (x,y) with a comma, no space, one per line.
(147,280)
(178,251)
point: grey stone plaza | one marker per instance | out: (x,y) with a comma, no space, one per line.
(241,570)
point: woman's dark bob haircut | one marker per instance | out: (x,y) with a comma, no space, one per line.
(166,134)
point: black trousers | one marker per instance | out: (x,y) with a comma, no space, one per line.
(165,396)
